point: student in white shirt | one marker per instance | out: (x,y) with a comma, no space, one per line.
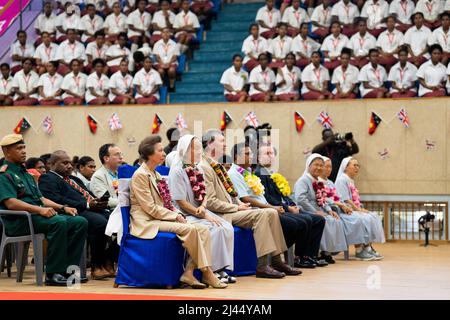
(162,19)
(25,85)
(441,36)
(372,77)
(432,74)
(375,11)
(294,16)
(45,52)
(117,52)
(345,78)
(49,85)
(74,84)
(121,86)
(431,9)
(253,46)
(6,89)
(139,22)
(321,19)
(46,22)
(280,46)
(186,25)
(152,6)
(96,49)
(389,43)
(20,50)
(68,50)
(90,24)
(346,13)
(115,23)
(402,10)
(235,81)
(303,46)
(288,80)
(315,79)
(268,18)
(361,42)
(97,85)
(65,21)
(147,82)
(417,40)
(166,52)
(333,45)
(403,76)
(262,80)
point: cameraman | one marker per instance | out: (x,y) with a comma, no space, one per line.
(336,148)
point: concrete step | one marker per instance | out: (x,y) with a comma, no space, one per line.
(199,88)
(200,67)
(183,98)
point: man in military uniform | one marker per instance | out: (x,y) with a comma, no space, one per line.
(64,230)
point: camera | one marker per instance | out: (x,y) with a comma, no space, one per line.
(342,138)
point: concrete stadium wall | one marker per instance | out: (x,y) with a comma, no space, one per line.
(409,169)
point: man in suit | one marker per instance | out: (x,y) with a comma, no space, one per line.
(60,186)
(105,179)
(223,200)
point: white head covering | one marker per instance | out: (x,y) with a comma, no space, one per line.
(343,166)
(182,148)
(309,160)
(325,159)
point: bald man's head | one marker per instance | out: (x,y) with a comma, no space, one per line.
(61,163)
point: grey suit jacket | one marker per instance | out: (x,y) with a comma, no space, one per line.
(101,182)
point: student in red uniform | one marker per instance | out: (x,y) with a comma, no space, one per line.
(166,52)
(315,79)
(234,81)
(262,80)
(147,82)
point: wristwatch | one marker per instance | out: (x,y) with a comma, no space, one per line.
(61,210)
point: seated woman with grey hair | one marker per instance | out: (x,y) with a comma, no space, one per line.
(187,187)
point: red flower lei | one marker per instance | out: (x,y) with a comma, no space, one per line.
(332,194)
(197,183)
(163,189)
(321,193)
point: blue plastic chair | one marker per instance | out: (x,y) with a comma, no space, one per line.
(245,259)
(163,95)
(181,64)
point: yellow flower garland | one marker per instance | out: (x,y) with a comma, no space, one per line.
(254,183)
(282,184)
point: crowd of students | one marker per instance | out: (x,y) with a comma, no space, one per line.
(342,50)
(102,52)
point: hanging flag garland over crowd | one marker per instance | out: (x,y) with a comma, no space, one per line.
(180,122)
(299,121)
(251,119)
(114,122)
(93,124)
(22,126)
(47,125)
(374,123)
(225,120)
(325,120)
(157,122)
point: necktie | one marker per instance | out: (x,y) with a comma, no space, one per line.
(74,185)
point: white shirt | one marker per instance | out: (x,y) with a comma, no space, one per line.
(295,17)
(93,50)
(345,79)
(334,45)
(99,5)
(417,39)
(160,20)
(166,51)
(183,19)
(304,46)
(403,78)
(67,22)
(375,12)
(447,5)
(25,83)
(147,81)
(262,78)
(254,47)
(375,77)
(47,24)
(346,14)
(68,51)
(236,79)
(116,50)
(316,77)
(403,9)
(24,52)
(116,24)
(291,78)
(361,45)
(279,48)
(50,84)
(448,82)
(270,18)
(321,16)
(120,83)
(440,37)
(91,25)
(432,74)
(140,21)
(390,41)
(100,85)
(431,9)
(6,85)
(74,84)
(46,54)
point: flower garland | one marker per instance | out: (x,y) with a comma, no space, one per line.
(321,193)
(197,183)
(355,195)
(223,177)
(253,181)
(332,194)
(282,184)
(163,189)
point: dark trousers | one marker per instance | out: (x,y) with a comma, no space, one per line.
(65,234)
(316,225)
(102,249)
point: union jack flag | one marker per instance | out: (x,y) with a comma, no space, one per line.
(114,122)
(47,125)
(180,122)
(251,119)
(324,119)
(403,117)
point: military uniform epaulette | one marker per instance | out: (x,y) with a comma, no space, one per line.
(3,168)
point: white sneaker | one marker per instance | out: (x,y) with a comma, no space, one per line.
(363,255)
(372,251)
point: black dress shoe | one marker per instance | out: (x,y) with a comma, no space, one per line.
(328,259)
(55,279)
(268,272)
(81,279)
(319,262)
(304,263)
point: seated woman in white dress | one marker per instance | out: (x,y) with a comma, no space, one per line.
(310,196)
(348,193)
(356,224)
(188,192)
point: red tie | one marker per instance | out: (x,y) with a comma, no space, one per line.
(74,185)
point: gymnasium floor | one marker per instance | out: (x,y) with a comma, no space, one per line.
(407,272)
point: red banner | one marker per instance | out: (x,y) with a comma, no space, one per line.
(9,11)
